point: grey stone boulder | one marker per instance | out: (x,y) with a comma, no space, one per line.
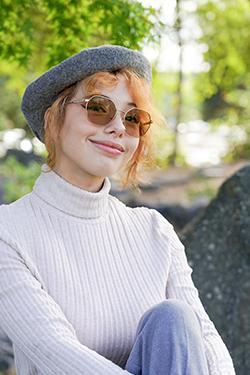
(217,244)
(6,353)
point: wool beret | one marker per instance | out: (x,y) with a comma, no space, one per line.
(42,92)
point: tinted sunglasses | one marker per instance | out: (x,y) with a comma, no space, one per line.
(101,110)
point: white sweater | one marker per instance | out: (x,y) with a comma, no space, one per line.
(77,271)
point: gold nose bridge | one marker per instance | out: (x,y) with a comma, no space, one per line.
(122,117)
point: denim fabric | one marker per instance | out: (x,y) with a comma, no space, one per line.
(168,342)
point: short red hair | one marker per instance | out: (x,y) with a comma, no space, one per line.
(141,95)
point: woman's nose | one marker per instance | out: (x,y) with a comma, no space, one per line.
(116,124)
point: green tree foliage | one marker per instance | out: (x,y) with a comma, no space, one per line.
(10,114)
(19,179)
(53,30)
(224,88)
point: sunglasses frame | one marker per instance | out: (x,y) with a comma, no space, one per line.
(85,102)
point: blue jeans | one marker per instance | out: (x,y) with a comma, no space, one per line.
(168,342)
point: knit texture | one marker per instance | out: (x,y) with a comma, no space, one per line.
(77,271)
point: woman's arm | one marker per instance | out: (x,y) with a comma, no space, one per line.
(180,286)
(35,323)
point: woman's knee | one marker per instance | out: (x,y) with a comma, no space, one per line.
(170,311)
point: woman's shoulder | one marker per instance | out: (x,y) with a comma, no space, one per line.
(117,204)
(143,212)
(14,214)
(14,207)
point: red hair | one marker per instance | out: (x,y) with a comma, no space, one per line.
(141,95)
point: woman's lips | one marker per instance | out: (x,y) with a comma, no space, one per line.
(110,150)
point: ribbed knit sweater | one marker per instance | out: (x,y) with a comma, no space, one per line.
(77,271)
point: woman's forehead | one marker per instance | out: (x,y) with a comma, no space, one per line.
(119,89)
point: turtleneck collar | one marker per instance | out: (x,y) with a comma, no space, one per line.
(64,196)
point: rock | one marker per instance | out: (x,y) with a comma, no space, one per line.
(218,248)
(6,353)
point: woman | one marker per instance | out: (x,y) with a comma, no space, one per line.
(87,284)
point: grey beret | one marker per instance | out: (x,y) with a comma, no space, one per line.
(41,93)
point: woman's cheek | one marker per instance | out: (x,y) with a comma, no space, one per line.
(131,152)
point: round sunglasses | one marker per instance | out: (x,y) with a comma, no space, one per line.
(101,110)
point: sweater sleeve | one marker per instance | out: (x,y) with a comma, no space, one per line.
(180,286)
(36,325)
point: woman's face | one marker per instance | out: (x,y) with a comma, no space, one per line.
(78,159)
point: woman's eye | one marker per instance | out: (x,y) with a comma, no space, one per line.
(97,108)
(131,118)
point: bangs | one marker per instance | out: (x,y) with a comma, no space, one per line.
(138,87)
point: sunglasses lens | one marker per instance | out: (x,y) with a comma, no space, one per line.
(137,122)
(100,110)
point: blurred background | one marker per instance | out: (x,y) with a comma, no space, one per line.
(200,53)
